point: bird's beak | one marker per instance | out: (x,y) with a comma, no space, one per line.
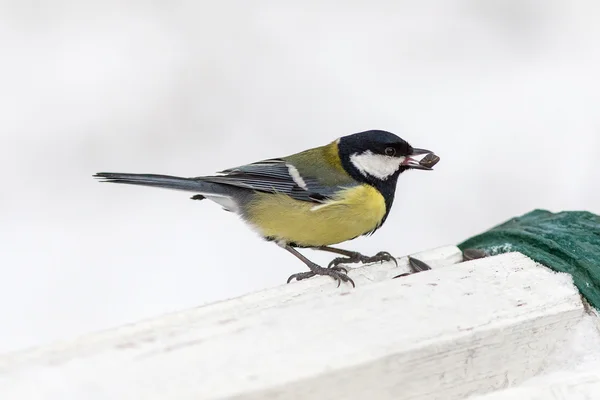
(420,159)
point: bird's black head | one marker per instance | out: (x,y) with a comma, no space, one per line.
(377,158)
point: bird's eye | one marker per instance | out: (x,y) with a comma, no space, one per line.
(390,151)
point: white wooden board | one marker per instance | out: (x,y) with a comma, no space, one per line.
(441,334)
(171,324)
(565,385)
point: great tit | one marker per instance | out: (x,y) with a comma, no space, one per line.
(312,199)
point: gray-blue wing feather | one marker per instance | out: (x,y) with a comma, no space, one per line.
(274,176)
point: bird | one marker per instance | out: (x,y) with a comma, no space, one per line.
(312,199)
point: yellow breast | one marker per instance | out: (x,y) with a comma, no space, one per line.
(354,211)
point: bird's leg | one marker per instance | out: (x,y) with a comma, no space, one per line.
(339,274)
(354,257)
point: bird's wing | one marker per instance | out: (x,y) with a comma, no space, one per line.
(276,176)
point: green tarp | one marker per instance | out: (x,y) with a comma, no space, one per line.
(567,242)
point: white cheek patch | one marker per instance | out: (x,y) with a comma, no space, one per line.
(376,165)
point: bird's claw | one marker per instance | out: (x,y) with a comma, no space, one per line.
(337,273)
(337,268)
(382,256)
(301,275)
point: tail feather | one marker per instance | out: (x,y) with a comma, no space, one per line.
(163,181)
(227,196)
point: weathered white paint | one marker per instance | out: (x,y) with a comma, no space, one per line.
(580,384)
(596,315)
(246,305)
(440,334)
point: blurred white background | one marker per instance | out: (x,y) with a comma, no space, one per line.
(506,92)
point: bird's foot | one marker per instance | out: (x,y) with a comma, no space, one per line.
(337,273)
(357,257)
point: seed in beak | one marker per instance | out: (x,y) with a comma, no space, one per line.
(429,160)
